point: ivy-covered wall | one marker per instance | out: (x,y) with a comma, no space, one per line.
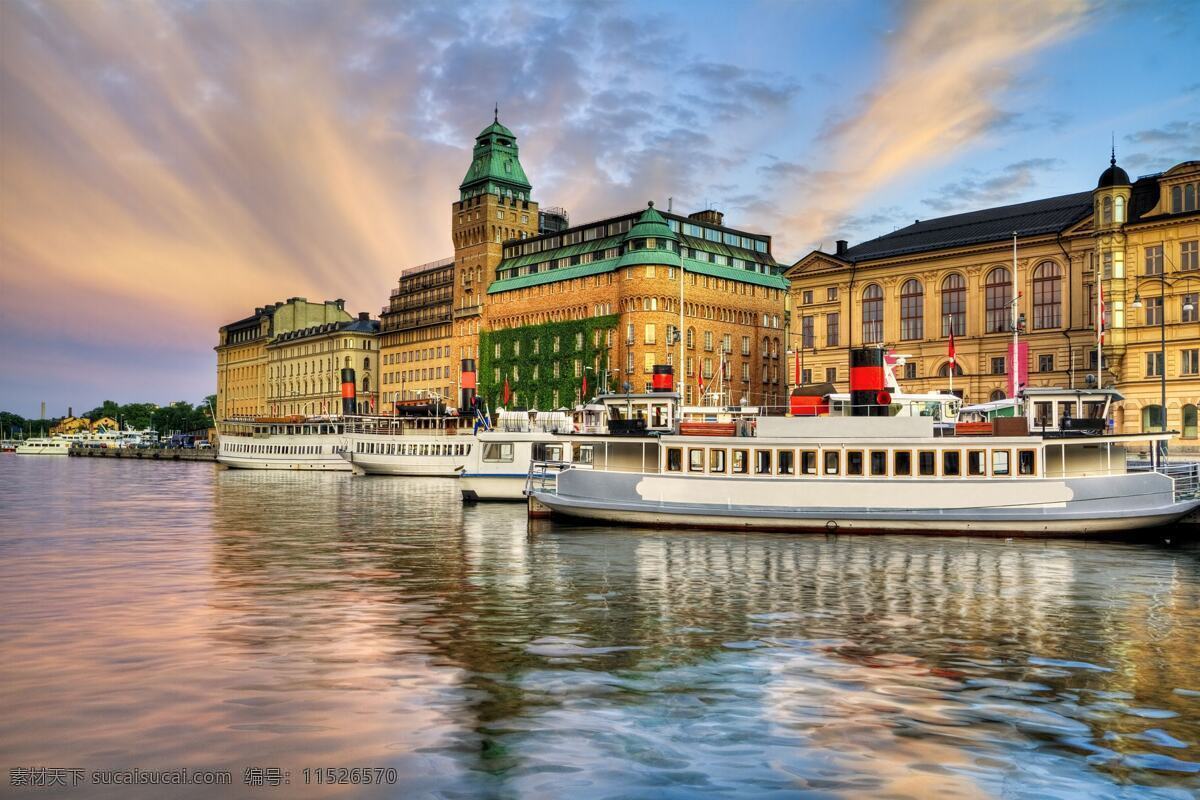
(527,358)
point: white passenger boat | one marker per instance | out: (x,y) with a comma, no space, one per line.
(864,474)
(425,446)
(292,443)
(44,446)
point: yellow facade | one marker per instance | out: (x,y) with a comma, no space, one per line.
(242,351)
(304,368)
(1129,234)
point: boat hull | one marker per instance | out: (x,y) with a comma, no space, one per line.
(410,466)
(477,487)
(1074,507)
(327,464)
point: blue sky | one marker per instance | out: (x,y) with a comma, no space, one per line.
(165,167)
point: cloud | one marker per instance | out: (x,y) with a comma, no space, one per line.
(939,94)
(977,191)
(1158,149)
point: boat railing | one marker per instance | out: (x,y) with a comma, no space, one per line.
(543,475)
(1185,474)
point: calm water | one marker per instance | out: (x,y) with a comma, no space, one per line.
(166,616)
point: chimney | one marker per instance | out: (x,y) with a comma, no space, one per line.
(709,216)
(340,303)
(364,315)
(842,244)
(258,311)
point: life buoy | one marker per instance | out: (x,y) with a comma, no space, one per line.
(883,399)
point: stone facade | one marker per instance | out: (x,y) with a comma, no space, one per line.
(242,351)
(304,367)
(415,335)
(904,291)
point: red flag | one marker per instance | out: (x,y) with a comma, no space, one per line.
(583,394)
(507,391)
(951,350)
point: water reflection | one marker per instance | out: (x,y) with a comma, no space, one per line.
(298,620)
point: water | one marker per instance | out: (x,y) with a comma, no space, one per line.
(162,616)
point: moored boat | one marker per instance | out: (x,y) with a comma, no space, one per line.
(291,443)
(44,446)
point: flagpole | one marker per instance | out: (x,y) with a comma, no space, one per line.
(1015,318)
(1099,328)
(953,359)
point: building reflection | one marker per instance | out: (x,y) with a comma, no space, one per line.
(398,578)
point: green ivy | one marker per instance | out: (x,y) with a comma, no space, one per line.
(539,393)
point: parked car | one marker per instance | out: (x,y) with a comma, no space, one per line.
(204,444)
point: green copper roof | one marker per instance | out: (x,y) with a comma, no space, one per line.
(735,274)
(650,224)
(553,276)
(631,257)
(495,167)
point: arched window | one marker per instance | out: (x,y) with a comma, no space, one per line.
(367,362)
(366,383)
(1190,422)
(1153,419)
(1176,199)
(1119,209)
(1106,211)
(954,305)
(1189,197)
(912,310)
(944,370)
(691,338)
(998,297)
(872,310)
(1047,295)
(997,394)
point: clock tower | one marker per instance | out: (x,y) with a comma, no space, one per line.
(493,207)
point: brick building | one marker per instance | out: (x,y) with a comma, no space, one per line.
(542,304)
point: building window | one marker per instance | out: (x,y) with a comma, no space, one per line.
(912,310)
(651,334)
(806,332)
(691,338)
(1047,296)
(872,309)
(1154,260)
(954,305)
(998,298)
(831,294)
(998,365)
(1154,310)
(944,370)
(1189,421)
(1106,211)
(1189,363)
(910,370)
(807,297)
(1153,418)
(708,340)
(1046,362)
(1154,365)
(1189,308)
(1189,255)
(831,330)
(745,345)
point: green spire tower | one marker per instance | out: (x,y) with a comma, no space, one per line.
(495,167)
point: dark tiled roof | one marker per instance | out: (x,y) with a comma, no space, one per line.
(1050,215)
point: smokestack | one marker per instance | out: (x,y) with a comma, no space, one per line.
(868,395)
(663,378)
(349,407)
(467,383)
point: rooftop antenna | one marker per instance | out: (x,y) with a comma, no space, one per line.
(496,118)
(1112,162)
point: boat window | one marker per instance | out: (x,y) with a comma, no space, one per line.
(1000,460)
(832,457)
(1043,416)
(926,462)
(1066,410)
(696,460)
(902,462)
(1093,409)
(716,460)
(1026,462)
(762,462)
(808,462)
(674,459)
(498,451)
(740,462)
(787,462)
(950,463)
(879,462)
(583,455)
(854,462)
(976,465)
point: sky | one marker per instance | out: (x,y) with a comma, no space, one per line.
(165,167)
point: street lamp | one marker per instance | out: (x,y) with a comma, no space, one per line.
(1162,326)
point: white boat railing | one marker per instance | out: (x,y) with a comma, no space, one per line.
(543,475)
